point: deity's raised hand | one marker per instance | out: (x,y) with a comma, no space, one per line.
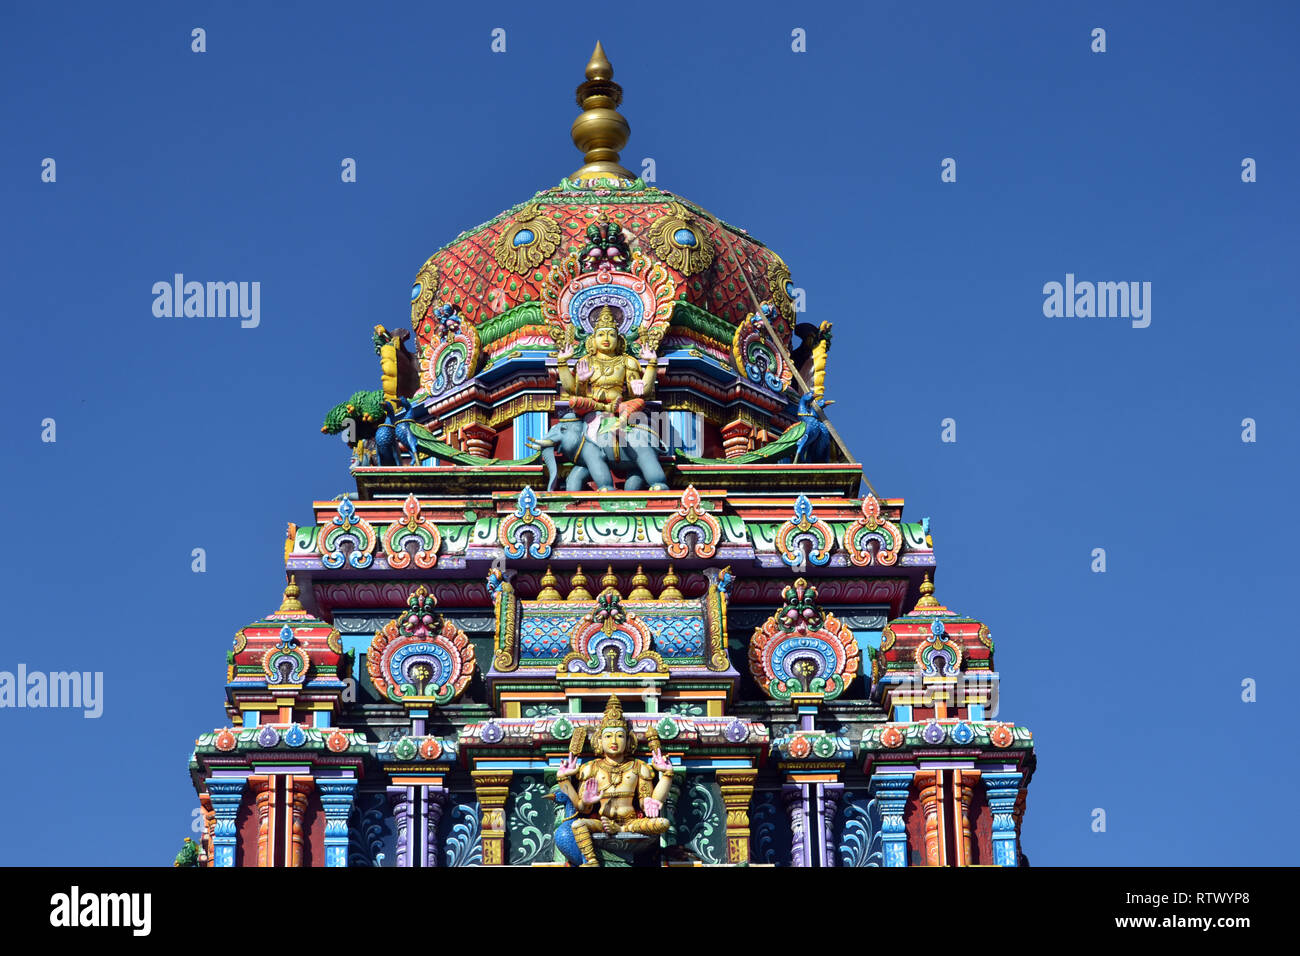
(568,767)
(590,791)
(583,370)
(566,352)
(648,353)
(660,762)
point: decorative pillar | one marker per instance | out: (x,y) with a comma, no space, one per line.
(931,792)
(737,438)
(963,785)
(737,788)
(297,790)
(435,803)
(336,795)
(1002,791)
(828,801)
(1018,814)
(207,855)
(891,794)
(417,808)
(492,788)
(795,797)
(400,797)
(265,790)
(226,793)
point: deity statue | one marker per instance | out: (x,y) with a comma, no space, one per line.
(607,379)
(604,389)
(618,793)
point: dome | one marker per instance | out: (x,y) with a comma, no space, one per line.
(509,277)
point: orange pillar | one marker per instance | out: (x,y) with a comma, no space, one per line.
(931,789)
(296,792)
(265,791)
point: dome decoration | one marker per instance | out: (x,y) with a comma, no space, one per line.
(527,242)
(679,242)
(423,289)
(601,213)
(453,353)
(642,296)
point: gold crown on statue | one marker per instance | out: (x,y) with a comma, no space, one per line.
(605,320)
(613,719)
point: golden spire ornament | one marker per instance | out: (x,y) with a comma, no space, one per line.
(670,592)
(291,593)
(549,591)
(639,590)
(578,587)
(609,580)
(927,599)
(600,131)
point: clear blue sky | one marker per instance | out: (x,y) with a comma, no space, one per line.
(1072,434)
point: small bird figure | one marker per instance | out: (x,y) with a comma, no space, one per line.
(815,443)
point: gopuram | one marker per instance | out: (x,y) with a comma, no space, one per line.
(611,590)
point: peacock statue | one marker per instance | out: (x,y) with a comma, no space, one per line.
(815,442)
(565,839)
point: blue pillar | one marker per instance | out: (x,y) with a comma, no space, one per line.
(336,800)
(1001,790)
(686,432)
(890,792)
(225,794)
(528,425)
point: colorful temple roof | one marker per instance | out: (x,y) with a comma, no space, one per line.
(611,589)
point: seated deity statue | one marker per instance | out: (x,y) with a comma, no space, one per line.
(617,793)
(607,380)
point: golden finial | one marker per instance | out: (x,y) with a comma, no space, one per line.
(609,579)
(639,590)
(291,593)
(600,131)
(599,67)
(670,592)
(927,598)
(578,587)
(549,592)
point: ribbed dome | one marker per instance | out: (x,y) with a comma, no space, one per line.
(470,273)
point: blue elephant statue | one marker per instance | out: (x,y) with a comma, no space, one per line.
(635,455)
(396,426)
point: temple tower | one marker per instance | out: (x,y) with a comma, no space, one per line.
(611,589)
